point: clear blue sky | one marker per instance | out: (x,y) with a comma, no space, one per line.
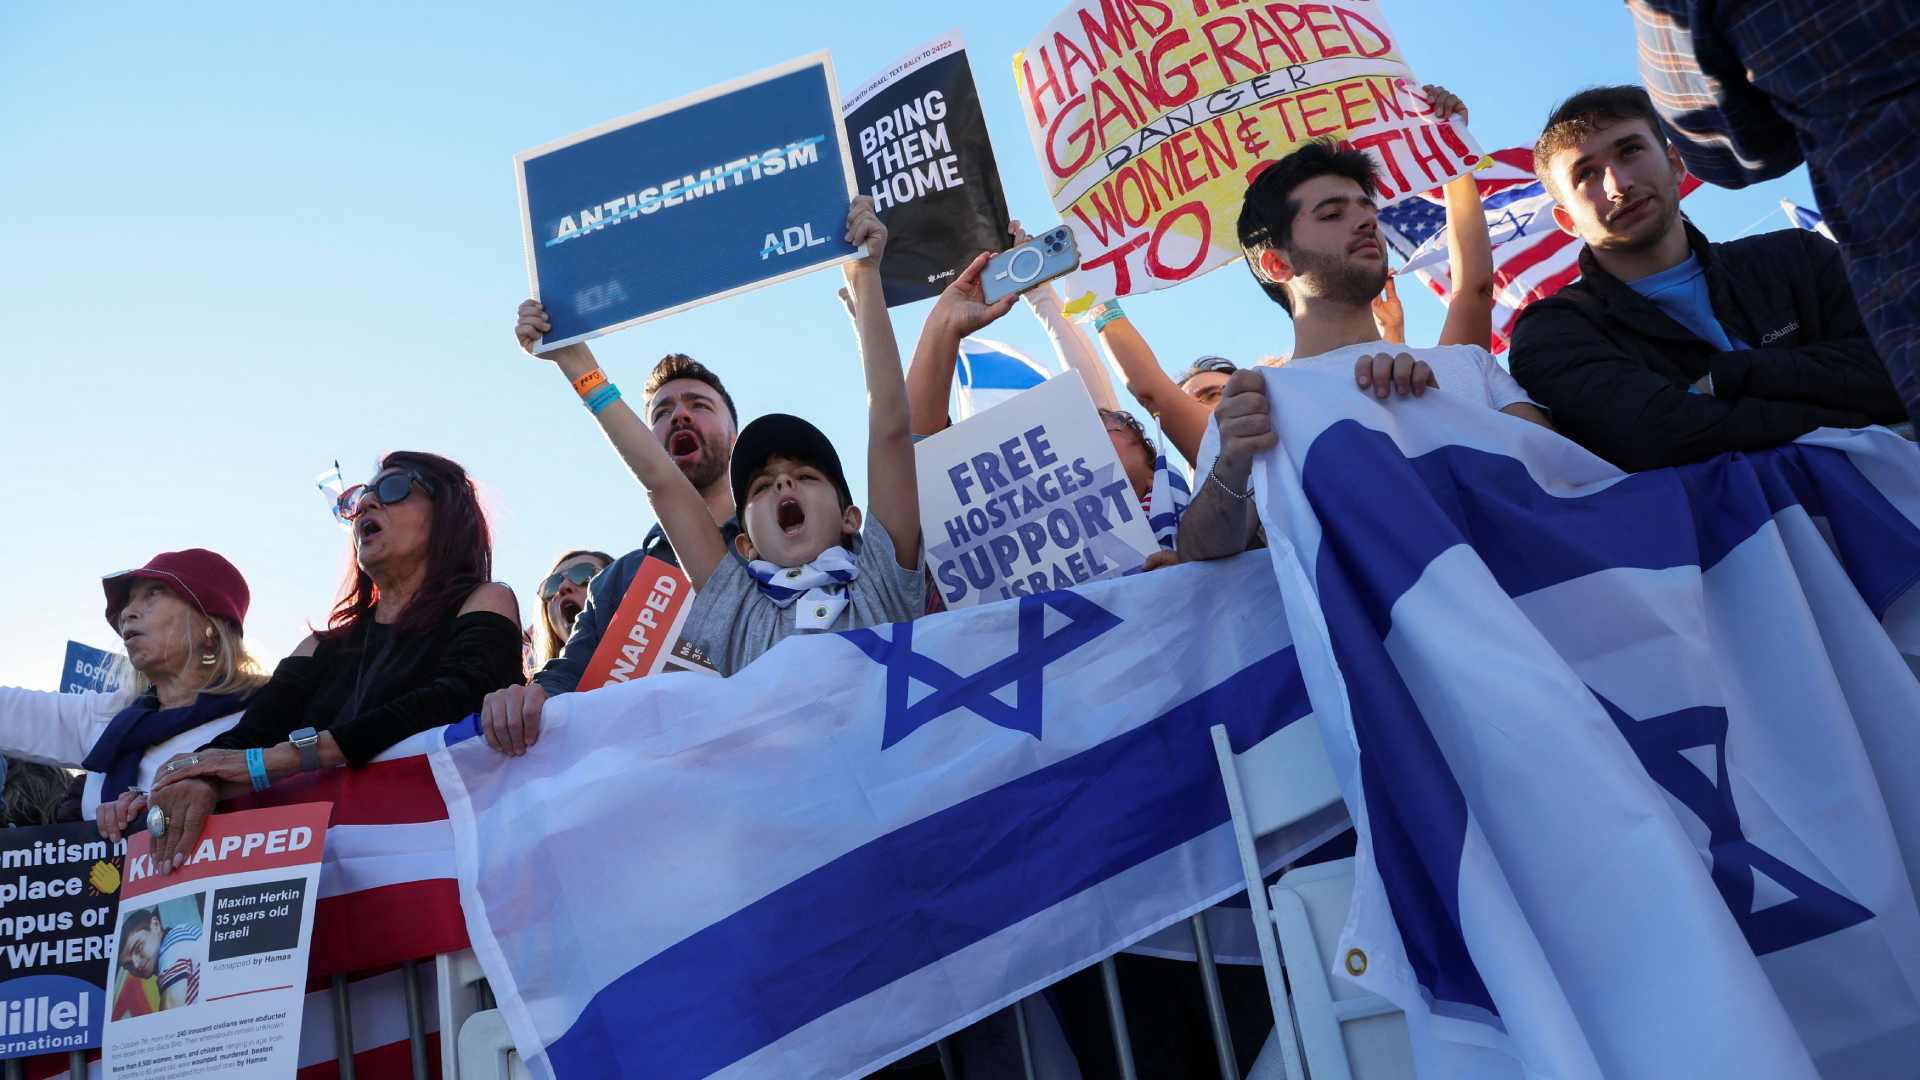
(241,240)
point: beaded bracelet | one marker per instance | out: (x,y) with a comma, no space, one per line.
(257,769)
(1105,314)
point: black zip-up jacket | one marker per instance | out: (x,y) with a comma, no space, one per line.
(1615,370)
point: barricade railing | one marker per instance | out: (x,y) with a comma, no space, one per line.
(475,1043)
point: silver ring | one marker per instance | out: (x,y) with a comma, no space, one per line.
(157,822)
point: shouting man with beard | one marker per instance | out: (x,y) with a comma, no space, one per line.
(693,418)
(1671,349)
(1310,231)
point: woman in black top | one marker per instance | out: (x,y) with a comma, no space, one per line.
(420,635)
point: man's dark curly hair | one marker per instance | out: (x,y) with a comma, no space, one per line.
(1267,212)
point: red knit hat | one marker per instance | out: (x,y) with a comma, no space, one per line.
(202,578)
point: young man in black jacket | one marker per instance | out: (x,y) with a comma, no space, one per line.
(1671,349)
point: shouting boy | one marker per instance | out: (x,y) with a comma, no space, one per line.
(805,560)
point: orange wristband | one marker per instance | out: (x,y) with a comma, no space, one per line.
(588,383)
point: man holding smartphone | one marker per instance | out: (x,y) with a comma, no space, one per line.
(1028,264)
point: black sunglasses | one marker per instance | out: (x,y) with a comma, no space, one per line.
(579,573)
(389,489)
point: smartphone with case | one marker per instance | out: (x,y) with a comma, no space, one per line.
(1042,258)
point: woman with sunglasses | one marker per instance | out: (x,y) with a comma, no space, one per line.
(179,618)
(563,595)
(419,636)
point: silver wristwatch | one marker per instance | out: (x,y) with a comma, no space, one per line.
(307,741)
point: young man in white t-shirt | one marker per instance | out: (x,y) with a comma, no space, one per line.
(1309,228)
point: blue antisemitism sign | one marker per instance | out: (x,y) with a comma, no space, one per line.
(1028,497)
(734,187)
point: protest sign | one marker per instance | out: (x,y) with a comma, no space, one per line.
(209,972)
(728,189)
(59,891)
(643,637)
(920,149)
(1027,497)
(1149,120)
(87,668)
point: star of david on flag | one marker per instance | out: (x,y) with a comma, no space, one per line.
(1023,671)
(1626,752)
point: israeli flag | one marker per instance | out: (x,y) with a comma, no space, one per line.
(1631,756)
(1804,218)
(989,372)
(1167,499)
(865,841)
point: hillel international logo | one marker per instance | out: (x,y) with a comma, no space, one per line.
(47,1014)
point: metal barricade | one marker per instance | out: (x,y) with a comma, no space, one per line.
(476,1045)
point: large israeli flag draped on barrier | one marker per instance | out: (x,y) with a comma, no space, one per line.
(864,841)
(1631,756)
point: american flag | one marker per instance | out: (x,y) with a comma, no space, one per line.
(387,894)
(1532,258)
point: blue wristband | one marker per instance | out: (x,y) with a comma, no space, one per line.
(600,404)
(257,769)
(602,398)
(1106,313)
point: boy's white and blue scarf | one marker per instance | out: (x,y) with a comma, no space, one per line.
(820,586)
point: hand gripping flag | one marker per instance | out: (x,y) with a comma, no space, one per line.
(1630,756)
(864,841)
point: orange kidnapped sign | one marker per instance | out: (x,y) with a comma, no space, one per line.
(644,636)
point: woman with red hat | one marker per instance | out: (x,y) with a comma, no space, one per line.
(420,635)
(179,618)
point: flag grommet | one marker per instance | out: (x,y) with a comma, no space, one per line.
(1356,963)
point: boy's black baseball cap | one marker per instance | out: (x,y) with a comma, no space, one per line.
(781,435)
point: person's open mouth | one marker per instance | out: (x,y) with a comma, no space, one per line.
(368,529)
(130,634)
(683,444)
(569,611)
(789,516)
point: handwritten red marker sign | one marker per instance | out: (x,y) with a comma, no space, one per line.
(1149,119)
